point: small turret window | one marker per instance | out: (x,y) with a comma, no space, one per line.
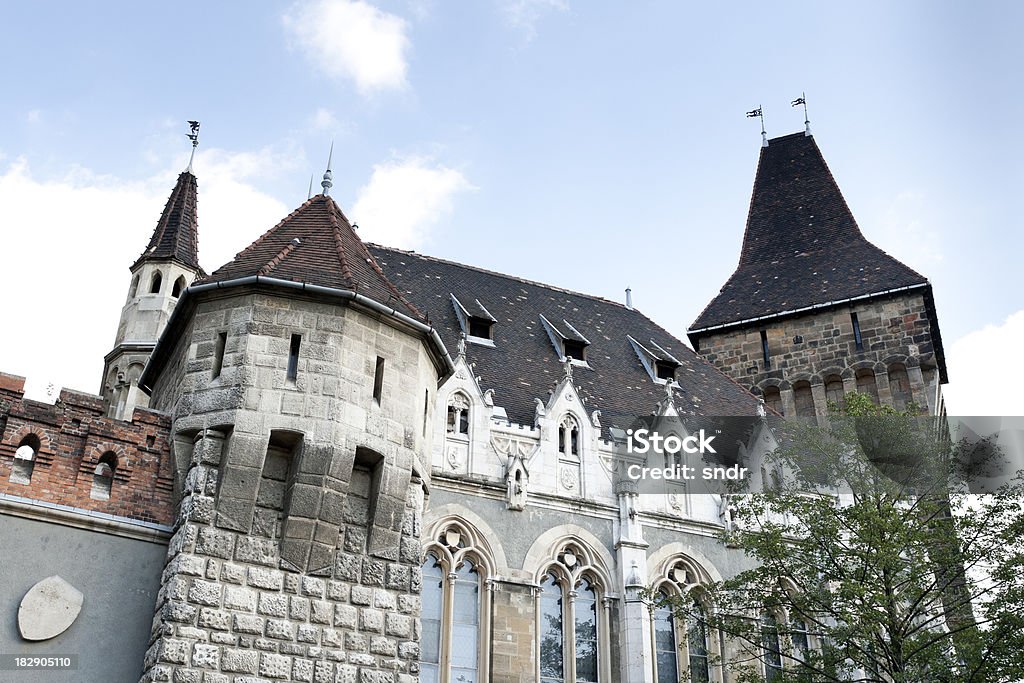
(179,286)
(154,284)
(25,460)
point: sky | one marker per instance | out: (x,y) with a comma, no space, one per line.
(590,145)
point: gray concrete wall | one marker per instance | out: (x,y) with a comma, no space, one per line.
(119,578)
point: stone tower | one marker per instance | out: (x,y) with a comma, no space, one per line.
(299,381)
(814,310)
(160,275)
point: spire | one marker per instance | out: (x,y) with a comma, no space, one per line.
(759,113)
(194,137)
(309,195)
(802,246)
(327,183)
(807,121)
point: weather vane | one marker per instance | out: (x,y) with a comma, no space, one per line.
(807,121)
(759,114)
(194,137)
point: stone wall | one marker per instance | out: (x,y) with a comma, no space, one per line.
(896,332)
(296,554)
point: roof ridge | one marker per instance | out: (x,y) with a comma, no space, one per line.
(515,278)
(339,246)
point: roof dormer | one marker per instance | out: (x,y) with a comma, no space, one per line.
(567,340)
(659,363)
(476,321)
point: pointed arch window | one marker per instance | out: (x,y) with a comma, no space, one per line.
(569,436)
(454,613)
(772,645)
(154,283)
(572,628)
(179,286)
(682,642)
(458,414)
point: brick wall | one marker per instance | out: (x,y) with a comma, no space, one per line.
(72,436)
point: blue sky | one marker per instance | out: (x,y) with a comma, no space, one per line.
(590,145)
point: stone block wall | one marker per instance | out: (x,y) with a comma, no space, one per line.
(296,554)
(70,438)
(895,331)
(513,636)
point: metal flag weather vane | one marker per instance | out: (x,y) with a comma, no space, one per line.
(194,137)
(759,114)
(807,121)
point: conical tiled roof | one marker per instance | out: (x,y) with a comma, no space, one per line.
(176,236)
(802,246)
(316,245)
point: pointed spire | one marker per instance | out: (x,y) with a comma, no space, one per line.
(807,121)
(309,195)
(327,182)
(194,137)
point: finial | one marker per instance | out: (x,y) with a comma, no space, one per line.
(309,195)
(460,349)
(568,367)
(807,121)
(759,114)
(194,137)
(668,391)
(328,176)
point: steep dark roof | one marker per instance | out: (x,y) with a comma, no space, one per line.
(176,236)
(802,246)
(316,244)
(523,364)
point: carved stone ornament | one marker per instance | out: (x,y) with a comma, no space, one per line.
(453,459)
(48,609)
(568,478)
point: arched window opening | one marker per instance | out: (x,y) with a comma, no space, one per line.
(552,643)
(453,612)
(178,287)
(899,384)
(25,460)
(569,436)
(773,399)
(458,414)
(103,477)
(154,283)
(697,645)
(834,389)
(772,647)
(665,648)
(804,399)
(866,384)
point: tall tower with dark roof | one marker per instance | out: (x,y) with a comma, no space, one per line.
(169,264)
(814,310)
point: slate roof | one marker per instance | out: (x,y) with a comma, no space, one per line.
(316,244)
(802,246)
(523,364)
(176,236)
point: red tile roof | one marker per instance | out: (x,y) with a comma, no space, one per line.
(316,244)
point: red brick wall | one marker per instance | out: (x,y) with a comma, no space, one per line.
(73,435)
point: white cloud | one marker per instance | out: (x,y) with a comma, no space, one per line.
(351,39)
(323,119)
(982,381)
(404,199)
(524,15)
(69,242)
(904,232)
(34,116)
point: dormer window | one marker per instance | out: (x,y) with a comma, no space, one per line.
(476,321)
(665,369)
(567,340)
(660,365)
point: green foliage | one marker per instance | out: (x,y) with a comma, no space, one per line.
(869,541)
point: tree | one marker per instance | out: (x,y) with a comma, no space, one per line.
(871,559)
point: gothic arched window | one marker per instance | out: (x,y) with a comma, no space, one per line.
(458,414)
(154,284)
(179,286)
(572,635)
(681,638)
(569,436)
(453,611)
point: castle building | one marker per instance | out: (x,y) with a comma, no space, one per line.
(341,462)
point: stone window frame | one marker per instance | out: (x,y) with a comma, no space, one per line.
(462,405)
(682,577)
(784,633)
(568,423)
(571,572)
(454,542)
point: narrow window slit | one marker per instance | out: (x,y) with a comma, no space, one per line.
(378,380)
(293,358)
(218,354)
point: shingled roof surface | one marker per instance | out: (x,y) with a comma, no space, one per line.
(802,246)
(177,232)
(316,244)
(523,364)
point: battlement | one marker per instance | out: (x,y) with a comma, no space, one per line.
(70,454)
